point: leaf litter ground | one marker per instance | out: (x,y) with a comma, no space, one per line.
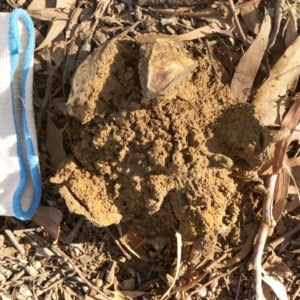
(186,163)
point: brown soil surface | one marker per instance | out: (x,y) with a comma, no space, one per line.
(178,164)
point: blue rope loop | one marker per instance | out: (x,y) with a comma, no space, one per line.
(31,159)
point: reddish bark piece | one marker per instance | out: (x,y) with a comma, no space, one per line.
(49,218)
(280,151)
(280,193)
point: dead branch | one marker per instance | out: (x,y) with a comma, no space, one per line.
(271,246)
(267,223)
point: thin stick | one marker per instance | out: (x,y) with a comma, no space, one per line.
(277,20)
(14,241)
(211,281)
(283,238)
(216,262)
(238,288)
(43,291)
(127,255)
(173,12)
(124,243)
(266,224)
(69,239)
(237,22)
(212,59)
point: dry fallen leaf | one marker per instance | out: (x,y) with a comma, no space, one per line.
(292,28)
(274,265)
(55,29)
(282,76)
(54,144)
(57,50)
(198,33)
(267,292)
(40,4)
(51,14)
(58,13)
(250,16)
(247,68)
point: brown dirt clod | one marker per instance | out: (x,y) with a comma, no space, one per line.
(148,167)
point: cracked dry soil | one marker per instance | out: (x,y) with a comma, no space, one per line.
(160,168)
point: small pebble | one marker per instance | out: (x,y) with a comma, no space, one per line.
(158,243)
(202,293)
(24,291)
(85,259)
(85,289)
(170,30)
(215,283)
(99,283)
(186,23)
(31,270)
(122,259)
(2,279)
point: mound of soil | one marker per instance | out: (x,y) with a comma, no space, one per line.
(160,168)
